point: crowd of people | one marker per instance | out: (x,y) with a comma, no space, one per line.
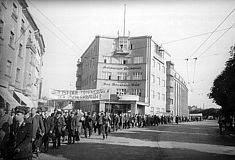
(25,132)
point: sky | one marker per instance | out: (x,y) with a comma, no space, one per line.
(68,28)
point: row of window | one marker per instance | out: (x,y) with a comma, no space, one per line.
(156,64)
(124,60)
(158,81)
(158,96)
(18,71)
(123,76)
(124,91)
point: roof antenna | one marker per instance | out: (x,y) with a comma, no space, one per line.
(124,27)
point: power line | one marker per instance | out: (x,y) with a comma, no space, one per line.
(194,36)
(75,51)
(55,25)
(211,34)
(216,40)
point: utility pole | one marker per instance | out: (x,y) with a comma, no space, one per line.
(124,26)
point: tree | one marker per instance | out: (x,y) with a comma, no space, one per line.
(223,89)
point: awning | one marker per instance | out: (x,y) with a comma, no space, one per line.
(6,95)
(25,99)
(68,107)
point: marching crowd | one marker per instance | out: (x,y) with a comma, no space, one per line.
(25,132)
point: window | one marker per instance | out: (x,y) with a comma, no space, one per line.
(163,69)
(15,12)
(30,35)
(137,76)
(106,75)
(171,101)
(32,59)
(12,38)
(121,91)
(8,68)
(122,76)
(158,81)
(163,83)
(131,46)
(1,27)
(158,95)
(20,50)
(153,62)
(152,93)
(4,3)
(137,60)
(107,59)
(153,78)
(18,74)
(22,27)
(136,92)
(123,43)
(30,76)
(124,60)
(163,97)
(159,66)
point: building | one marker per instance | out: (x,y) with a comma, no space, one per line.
(132,68)
(177,92)
(22,48)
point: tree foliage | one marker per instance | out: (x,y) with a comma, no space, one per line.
(223,89)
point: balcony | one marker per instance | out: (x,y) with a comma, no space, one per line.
(121,51)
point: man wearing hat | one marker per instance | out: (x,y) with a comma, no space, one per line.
(58,127)
(5,122)
(20,136)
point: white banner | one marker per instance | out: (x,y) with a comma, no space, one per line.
(79,95)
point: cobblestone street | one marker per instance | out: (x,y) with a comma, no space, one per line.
(193,140)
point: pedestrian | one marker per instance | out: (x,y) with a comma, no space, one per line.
(72,128)
(87,124)
(5,122)
(20,137)
(48,122)
(38,130)
(105,124)
(59,125)
(94,122)
(177,119)
(78,128)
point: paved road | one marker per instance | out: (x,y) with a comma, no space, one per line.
(193,140)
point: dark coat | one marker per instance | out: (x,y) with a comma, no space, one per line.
(38,126)
(20,140)
(48,124)
(59,124)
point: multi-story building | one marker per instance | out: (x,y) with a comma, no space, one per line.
(177,92)
(22,48)
(132,68)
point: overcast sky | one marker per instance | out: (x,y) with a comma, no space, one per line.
(68,28)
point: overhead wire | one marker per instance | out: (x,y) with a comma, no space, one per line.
(194,36)
(216,40)
(53,33)
(211,34)
(48,19)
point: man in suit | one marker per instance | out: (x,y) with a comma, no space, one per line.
(38,130)
(59,125)
(20,137)
(48,122)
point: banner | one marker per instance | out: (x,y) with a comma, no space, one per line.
(79,95)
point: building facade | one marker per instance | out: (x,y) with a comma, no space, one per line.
(132,68)
(177,92)
(21,52)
